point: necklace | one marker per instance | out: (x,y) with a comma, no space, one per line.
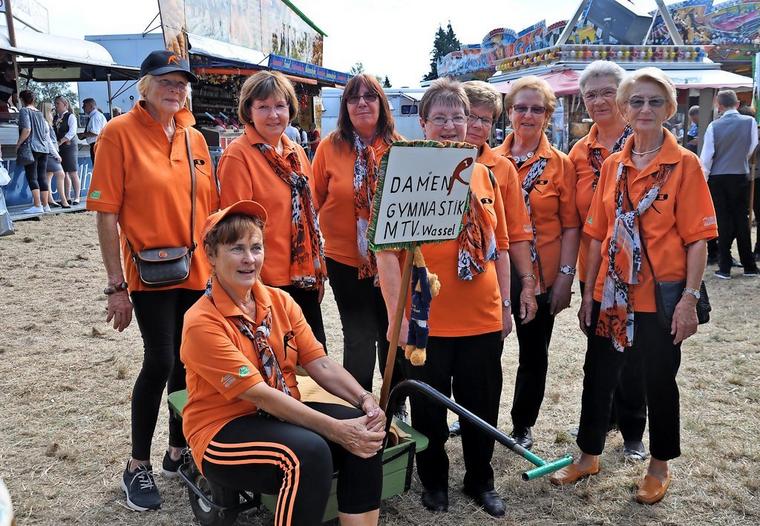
(519,159)
(634,152)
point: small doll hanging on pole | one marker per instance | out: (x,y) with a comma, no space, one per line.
(425,286)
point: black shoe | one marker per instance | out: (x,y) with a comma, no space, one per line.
(752,272)
(169,466)
(735,263)
(523,436)
(140,489)
(490,501)
(436,500)
(634,450)
(455,429)
(723,275)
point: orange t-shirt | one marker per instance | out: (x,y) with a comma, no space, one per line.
(467,308)
(333,170)
(584,190)
(682,214)
(222,363)
(145,179)
(552,201)
(515,211)
(244,173)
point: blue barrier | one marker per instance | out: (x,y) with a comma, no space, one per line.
(17,192)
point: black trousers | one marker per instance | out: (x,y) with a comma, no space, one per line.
(36,173)
(365,324)
(629,407)
(160,315)
(263,454)
(470,366)
(730,195)
(659,359)
(308,300)
(756,210)
(533,339)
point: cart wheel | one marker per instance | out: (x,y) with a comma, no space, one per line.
(225,497)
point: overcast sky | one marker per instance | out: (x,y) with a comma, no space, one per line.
(390,37)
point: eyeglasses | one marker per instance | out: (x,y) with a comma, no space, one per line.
(440,120)
(179,85)
(603,94)
(369,98)
(485,121)
(638,102)
(280,109)
(535,110)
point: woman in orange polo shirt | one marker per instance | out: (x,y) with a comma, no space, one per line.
(467,322)
(641,232)
(547,178)
(599,84)
(345,174)
(263,164)
(142,190)
(244,419)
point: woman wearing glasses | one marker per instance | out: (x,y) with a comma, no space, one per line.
(263,165)
(599,84)
(345,175)
(641,232)
(466,321)
(547,178)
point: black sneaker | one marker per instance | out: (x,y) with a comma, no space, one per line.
(751,273)
(140,488)
(169,466)
(723,275)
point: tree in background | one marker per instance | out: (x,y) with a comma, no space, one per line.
(445,42)
(356,69)
(46,92)
(387,82)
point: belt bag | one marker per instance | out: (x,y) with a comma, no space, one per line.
(667,295)
(161,267)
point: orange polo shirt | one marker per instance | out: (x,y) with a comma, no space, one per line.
(467,308)
(145,179)
(552,201)
(682,214)
(333,171)
(584,190)
(244,173)
(515,211)
(222,363)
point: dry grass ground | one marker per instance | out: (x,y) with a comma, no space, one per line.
(65,382)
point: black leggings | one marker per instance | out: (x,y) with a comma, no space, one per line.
(159,315)
(365,324)
(263,454)
(308,300)
(36,173)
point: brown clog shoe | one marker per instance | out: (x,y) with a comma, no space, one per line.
(651,490)
(572,473)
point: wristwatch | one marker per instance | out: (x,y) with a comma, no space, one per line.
(692,292)
(113,289)
(567,270)
(506,303)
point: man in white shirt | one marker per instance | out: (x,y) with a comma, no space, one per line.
(729,142)
(95,123)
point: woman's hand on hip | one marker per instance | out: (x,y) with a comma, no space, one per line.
(356,438)
(119,309)
(561,293)
(684,319)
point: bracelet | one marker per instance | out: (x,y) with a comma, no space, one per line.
(362,398)
(567,270)
(114,288)
(528,276)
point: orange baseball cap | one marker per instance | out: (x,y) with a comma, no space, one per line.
(246,208)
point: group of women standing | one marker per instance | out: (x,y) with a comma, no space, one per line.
(528,203)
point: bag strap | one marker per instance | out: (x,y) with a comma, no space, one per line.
(191,162)
(641,235)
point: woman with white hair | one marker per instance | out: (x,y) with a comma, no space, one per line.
(642,237)
(599,84)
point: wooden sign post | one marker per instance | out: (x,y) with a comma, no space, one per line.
(423,190)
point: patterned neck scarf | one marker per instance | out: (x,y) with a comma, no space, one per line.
(596,158)
(477,241)
(365,181)
(536,170)
(624,252)
(307,259)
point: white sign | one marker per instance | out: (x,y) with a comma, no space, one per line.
(423,193)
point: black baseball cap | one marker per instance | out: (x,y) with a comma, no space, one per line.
(163,62)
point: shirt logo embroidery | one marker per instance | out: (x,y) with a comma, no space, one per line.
(709,221)
(590,220)
(95,194)
(244,371)
(228,380)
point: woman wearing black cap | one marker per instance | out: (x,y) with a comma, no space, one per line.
(153,187)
